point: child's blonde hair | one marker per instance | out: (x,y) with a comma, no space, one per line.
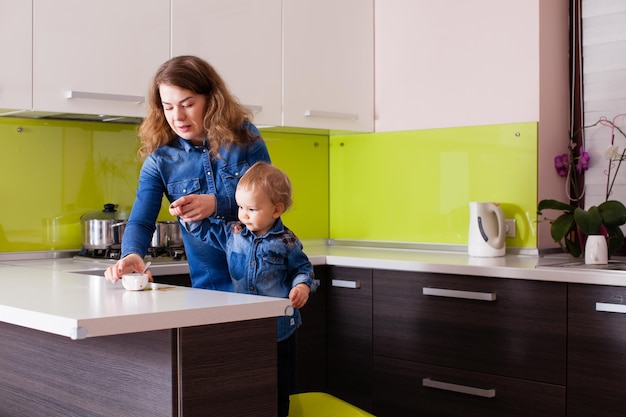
(269,179)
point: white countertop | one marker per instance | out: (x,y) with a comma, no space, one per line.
(454,262)
(49,294)
(78,306)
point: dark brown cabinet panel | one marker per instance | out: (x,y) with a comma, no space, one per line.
(596,378)
(312,339)
(183,280)
(407,389)
(503,327)
(349,345)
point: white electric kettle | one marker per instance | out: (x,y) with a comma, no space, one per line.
(487,231)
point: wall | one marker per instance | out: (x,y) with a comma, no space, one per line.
(55,171)
(415,186)
(411,186)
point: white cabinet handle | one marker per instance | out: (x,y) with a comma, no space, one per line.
(611,308)
(104,96)
(254,108)
(342,283)
(468,295)
(330,115)
(463,389)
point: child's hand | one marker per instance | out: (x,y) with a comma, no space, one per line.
(299,295)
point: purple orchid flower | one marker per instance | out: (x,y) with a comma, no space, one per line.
(561,163)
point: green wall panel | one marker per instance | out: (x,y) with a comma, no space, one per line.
(55,171)
(415,186)
(304,157)
(400,187)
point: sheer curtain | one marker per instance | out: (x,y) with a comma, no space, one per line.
(603,38)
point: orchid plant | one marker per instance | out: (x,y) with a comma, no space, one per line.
(570,228)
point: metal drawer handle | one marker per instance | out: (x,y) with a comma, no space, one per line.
(611,308)
(342,283)
(463,389)
(330,115)
(468,295)
(103,96)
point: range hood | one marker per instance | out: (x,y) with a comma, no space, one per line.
(30,114)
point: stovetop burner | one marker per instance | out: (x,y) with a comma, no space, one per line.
(154,254)
(112,252)
(175,252)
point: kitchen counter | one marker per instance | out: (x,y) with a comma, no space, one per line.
(71,298)
(75,344)
(47,296)
(171,331)
(542,268)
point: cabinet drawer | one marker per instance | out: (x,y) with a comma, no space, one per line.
(596,377)
(404,388)
(499,326)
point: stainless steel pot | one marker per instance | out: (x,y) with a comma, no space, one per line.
(167,234)
(102,229)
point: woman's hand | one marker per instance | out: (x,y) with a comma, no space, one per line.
(128,264)
(193,207)
(299,295)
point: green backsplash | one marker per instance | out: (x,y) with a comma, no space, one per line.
(400,187)
(55,171)
(415,186)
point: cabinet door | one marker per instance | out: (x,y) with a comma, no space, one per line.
(404,388)
(16,71)
(596,366)
(441,64)
(508,327)
(242,40)
(329,64)
(349,344)
(312,338)
(102,54)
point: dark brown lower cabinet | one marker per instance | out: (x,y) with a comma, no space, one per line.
(312,339)
(596,377)
(404,388)
(453,345)
(220,370)
(349,332)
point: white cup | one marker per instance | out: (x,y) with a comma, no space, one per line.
(596,250)
(135,281)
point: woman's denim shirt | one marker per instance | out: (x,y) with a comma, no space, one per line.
(270,265)
(180,169)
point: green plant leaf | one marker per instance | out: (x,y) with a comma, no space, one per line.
(554,205)
(613,213)
(615,238)
(562,226)
(573,248)
(589,221)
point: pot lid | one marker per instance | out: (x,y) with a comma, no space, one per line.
(108,213)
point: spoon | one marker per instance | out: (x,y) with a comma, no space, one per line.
(145,268)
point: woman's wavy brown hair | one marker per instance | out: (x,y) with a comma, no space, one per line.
(224,117)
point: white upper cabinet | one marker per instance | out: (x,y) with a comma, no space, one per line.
(329,64)
(241,39)
(443,64)
(16,69)
(97,57)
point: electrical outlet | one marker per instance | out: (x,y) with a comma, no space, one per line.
(509,225)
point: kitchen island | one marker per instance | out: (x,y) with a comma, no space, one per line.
(77,345)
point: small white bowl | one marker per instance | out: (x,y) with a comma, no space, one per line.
(135,281)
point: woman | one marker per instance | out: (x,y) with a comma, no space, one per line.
(197,141)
